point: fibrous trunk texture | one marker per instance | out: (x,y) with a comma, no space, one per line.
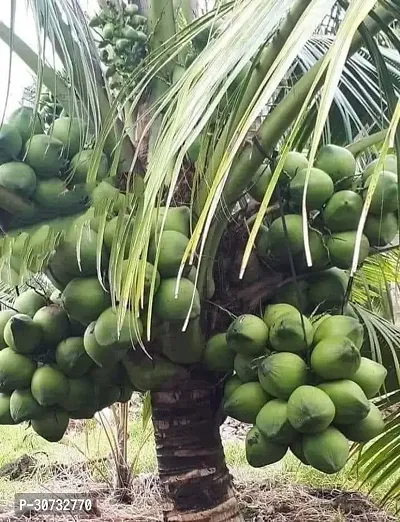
(196,483)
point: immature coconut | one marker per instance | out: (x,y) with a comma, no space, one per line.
(172,247)
(177,220)
(327,451)
(343,210)
(22,334)
(341,248)
(108,333)
(342,325)
(370,376)
(5,315)
(297,449)
(291,333)
(319,188)
(310,410)
(52,425)
(44,154)
(245,367)
(16,370)
(261,452)
(148,278)
(319,254)
(281,373)
(260,183)
(339,163)
(381,230)
(217,356)
(384,198)
(24,407)
(328,289)
(54,324)
(26,121)
(294,162)
(71,132)
(5,415)
(351,404)
(48,193)
(49,385)
(29,302)
(272,420)
(248,334)
(80,163)
(102,355)
(274,311)
(108,395)
(231,384)
(173,302)
(79,392)
(182,347)
(18,177)
(72,358)
(366,429)
(389,164)
(295,295)
(84,299)
(246,401)
(10,142)
(286,235)
(335,358)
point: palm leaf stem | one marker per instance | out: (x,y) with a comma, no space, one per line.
(366,142)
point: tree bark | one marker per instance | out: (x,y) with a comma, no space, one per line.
(196,483)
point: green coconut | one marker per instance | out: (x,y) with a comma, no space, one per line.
(327,451)
(171,248)
(18,177)
(80,163)
(281,373)
(245,402)
(248,334)
(291,332)
(217,356)
(84,299)
(101,355)
(26,121)
(108,395)
(319,253)
(310,410)
(294,162)
(22,334)
(5,315)
(370,376)
(71,132)
(274,311)
(154,374)
(45,155)
(351,404)
(280,242)
(335,358)
(29,302)
(297,449)
(245,368)
(343,211)
(260,451)
(106,375)
(366,429)
(339,163)
(295,295)
(328,289)
(319,188)
(341,248)
(381,230)
(49,385)
(54,324)
(48,193)
(79,394)
(5,414)
(173,303)
(231,384)
(389,164)
(16,370)
(260,182)
(10,142)
(52,425)
(148,278)
(272,420)
(71,357)
(24,407)
(109,333)
(384,198)
(177,220)
(110,233)
(106,191)
(182,347)
(342,325)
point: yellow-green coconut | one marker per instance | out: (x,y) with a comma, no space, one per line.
(327,451)
(260,451)
(248,334)
(281,373)
(351,404)
(335,358)
(310,410)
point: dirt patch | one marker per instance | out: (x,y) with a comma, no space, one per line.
(260,502)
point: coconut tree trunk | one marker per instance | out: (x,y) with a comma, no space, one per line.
(196,483)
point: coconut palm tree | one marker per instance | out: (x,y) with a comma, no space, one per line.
(204,102)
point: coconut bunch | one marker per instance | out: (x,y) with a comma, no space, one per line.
(304,386)
(122,40)
(334,201)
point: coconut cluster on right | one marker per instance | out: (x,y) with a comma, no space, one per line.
(302,383)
